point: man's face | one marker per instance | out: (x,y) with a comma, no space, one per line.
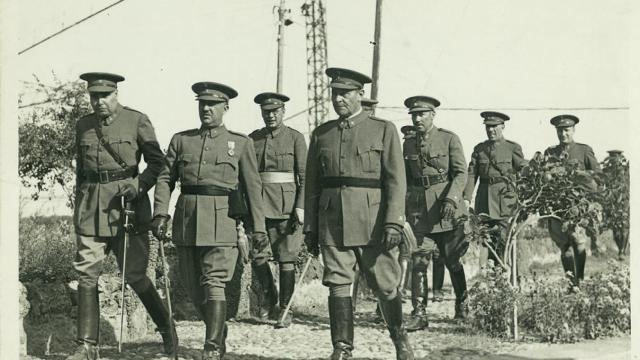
(104,103)
(346,102)
(211,112)
(273,117)
(494,132)
(565,134)
(423,120)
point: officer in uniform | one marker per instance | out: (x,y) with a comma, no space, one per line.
(613,164)
(210,162)
(281,153)
(494,162)
(109,143)
(354,196)
(436,176)
(573,253)
(409,132)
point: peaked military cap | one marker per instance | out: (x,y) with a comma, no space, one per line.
(614,152)
(213,91)
(420,103)
(368,102)
(346,79)
(101,81)
(564,120)
(494,117)
(408,129)
(270,100)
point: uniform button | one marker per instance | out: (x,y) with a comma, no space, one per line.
(204,162)
(206,148)
(343,156)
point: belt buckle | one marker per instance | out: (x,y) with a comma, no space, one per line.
(105,178)
(422,181)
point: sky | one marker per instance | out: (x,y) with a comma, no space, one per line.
(500,55)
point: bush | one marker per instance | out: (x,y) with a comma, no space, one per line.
(600,307)
(47,248)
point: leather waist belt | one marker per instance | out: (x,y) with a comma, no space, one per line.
(427,181)
(210,190)
(491,180)
(273,177)
(108,176)
(340,181)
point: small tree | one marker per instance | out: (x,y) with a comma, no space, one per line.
(616,199)
(550,187)
(46,134)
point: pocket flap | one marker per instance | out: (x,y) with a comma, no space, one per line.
(221,202)
(185,157)
(227,159)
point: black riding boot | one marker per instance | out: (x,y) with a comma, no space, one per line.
(459,283)
(287,285)
(438,279)
(392,313)
(268,309)
(88,324)
(419,292)
(581,260)
(160,316)
(569,266)
(216,333)
(341,321)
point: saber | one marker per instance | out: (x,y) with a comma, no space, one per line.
(126,206)
(295,291)
(167,286)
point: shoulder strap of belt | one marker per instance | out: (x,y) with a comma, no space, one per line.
(105,144)
(493,163)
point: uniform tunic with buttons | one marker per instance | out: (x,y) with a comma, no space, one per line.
(438,156)
(360,147)
(283,150)
(490,161)
(130,133)
(210,157)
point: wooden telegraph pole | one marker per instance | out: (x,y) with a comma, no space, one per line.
(376,51)
(281,11)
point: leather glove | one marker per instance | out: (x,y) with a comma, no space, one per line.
(260,242)
(311,242)
(243,243)
(128,191)
(392,237)
(299,215)
(159,227)
(447,210)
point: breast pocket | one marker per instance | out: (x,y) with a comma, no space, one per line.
(182,163)
(88,151)
(483,167)
(285,160)
(229,168)
(439,158)
(325,157)
(370,157)
(504,163)
(126,149)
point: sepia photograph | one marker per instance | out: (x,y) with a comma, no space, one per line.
(317,179)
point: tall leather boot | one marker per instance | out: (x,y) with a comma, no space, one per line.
(160,316)
(459,283)
(268,309)
(438,279)
(419,291)
(392,313)
(216,333)
(88,324)
(581,260)
(287,285)
(569,265)
(341,321)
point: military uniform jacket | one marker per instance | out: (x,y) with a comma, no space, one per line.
(210,157)
(130,133)
(438,156)
(281,151)
(579,154)
(489,162)
(362,146)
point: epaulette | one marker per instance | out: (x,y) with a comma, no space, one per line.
(326,124)
(294,130)
(512,142)
(446,131)
(238,134)
(134,110)
(188,132)
(581,144)
(256,132)
(373,117)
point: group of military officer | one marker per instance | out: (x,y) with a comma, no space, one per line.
(358,185)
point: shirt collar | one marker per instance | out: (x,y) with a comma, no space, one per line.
(353,120)
(275,133)
(212,132)
(109,120)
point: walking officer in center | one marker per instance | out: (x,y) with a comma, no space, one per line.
(354,200)
(281,154)
(572,243)
(110,143)
(436,176)
(210,162)
(494,162)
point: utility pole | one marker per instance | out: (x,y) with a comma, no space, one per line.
(281,11)
(317,84)
(376,51)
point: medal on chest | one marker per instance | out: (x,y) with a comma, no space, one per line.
(231,145)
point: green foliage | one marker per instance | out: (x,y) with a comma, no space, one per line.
(47,248)
(46,134)
(552,310)
(616,193)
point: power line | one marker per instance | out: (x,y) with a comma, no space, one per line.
(516,108)
(70,26)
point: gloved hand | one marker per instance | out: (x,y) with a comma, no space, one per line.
(392,237)
(128,191)
(159,227)
(311,241)
(447,210)
(467,204)
(243,243)
(299,215)
(260,241)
